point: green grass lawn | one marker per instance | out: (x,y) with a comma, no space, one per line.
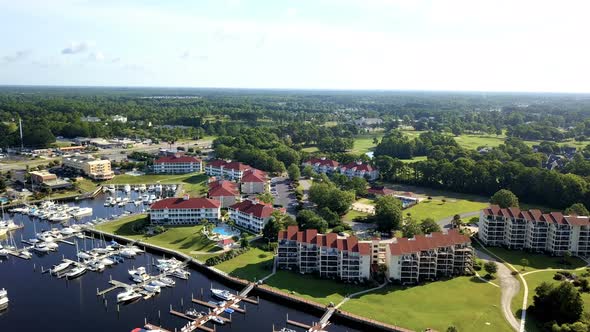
(536,261)
(351,215)
(312,288)
(466,303)
(420,158)
(310,149)
(364,143)
(195,184)
(370,201)
(253,265)
(438,210)
(472,142)
(185,239)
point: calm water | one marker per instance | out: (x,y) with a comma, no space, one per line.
(39,302)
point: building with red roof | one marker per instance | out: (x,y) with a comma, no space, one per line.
(184,211)
(254,181)
(380,191)
(233,170)
(225,243)
(329,255)
(177,164)
(251,214)
(533,230)
(224,191)
(359,169)
(409,260)
(322,165)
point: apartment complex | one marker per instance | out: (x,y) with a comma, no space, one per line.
(430,256)
(327,254)
(250,214)
(533,230)
(322,165)
(177,164)
(233,170)
(424,257)
(184,211)
(96,169)
(354,169)
(224,191)
(254,181)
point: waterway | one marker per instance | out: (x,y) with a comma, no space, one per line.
(40,302)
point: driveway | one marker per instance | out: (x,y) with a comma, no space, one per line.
(446,222)
(509,285)
(285,195)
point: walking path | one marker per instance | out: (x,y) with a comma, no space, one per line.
(274,270)
(443,223)
(348,297)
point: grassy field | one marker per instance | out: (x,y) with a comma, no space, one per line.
(185,239)
(351,215)
(195,184)
(310,149)
(438,210)
(364,143)
(420,158)
(536,261)
(312,288)
(252,265)
(466,303)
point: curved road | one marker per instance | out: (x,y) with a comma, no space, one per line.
(509,286)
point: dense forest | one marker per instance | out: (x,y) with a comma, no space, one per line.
(273,129)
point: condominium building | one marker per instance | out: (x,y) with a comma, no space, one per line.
(322,165)
(424,257)
(177,164)
(251,214)
(184,211)
(254,181)
(224,191)
(232,170)
(359,169)
(533,230)
(97,169)
(329,255)
(427,257)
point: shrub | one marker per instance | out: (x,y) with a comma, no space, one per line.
(225,256)
(558,276)
(514,273)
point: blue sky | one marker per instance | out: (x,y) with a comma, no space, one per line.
(320,44)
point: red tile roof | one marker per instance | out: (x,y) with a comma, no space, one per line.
(225,242)
(176,159)
(380,191)
(358,166)
(235,165)
(536,216)
(181,203)
(331,240)
(259,210)
(427,242)
(254,175)
(323,162)
(223,188)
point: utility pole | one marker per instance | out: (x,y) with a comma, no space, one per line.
(20,125)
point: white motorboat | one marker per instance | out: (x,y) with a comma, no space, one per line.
(158,283)
(82,212)
(193,313)
(3,252)
(222,294)
(151,187)
(76,272)
(52,245)
(45,237)
(158,188)
(217,320)
(139,275)
(127,188)
(152,288)
(145,198)
(58,217)
(3,298)
(68,231)
(109,201)
(27,254)
(41,248)
(128,296)
(180,273)
(84,255)
(127,253)
(142,187)
(137,202)
(60,267)
(118,200)
(107,261)
(101,251)
(96,266)
(168,281)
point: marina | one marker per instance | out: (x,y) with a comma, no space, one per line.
(75,279)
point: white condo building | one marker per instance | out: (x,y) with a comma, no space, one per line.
(177,164)
(184,211)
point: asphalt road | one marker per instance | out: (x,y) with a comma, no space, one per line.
(285,196)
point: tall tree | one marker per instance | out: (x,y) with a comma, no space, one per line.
(504,198)
(294,172)
(577,208)
(388,213)
(428,225)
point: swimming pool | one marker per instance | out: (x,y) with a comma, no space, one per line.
(224,230)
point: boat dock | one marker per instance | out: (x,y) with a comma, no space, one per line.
(315,327)
(215,311)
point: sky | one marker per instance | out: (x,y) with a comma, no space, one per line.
(472,45)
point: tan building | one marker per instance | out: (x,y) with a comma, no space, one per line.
(96,169)
(43,179)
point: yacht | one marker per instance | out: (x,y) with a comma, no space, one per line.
(217,320)
(26,254)
(58,217)
(168,281)
(151,187)
(96,266)
(128,253)
(107,261)
(76,272)
(137,202)
(158,188)
(142,187)
(51,245)
(193,313)
(3,252)
(84,255)
(152,288)
(41,248)
(3,298)
(128,296)
(109,201)
(127,188)
(60,267)
(222,294)
(67,231)
(145,198)
(139,275)
(82,212)
(158,283)
(180,273)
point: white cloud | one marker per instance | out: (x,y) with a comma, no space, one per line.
(17,56)
(78,47)
(96,56)
(188,54)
